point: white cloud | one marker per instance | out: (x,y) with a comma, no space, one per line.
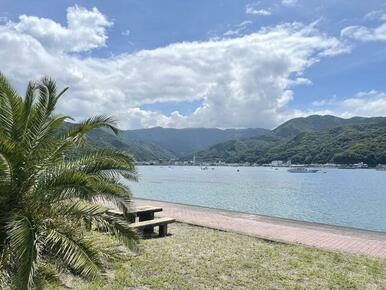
(289,2)
(366,104)
(253,9)
(238,29)
(376,15)
(242,82)
(138,118)
(126,32)
(86,29)
(300,81)
(325,102)
(365,34)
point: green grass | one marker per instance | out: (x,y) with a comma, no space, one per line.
(200,258)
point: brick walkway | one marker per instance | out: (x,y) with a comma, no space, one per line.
(277,229)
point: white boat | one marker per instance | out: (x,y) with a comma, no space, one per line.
(381,167)
(302,170)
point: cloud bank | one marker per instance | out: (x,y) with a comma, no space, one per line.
(365,34)
(367,104)
(241,82)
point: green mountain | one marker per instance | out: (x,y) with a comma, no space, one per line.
(164,143)
(305,140)
(318,122)
(246,150)
(314,139)
(345,145)
(181,142)
(102,138)
(140,150)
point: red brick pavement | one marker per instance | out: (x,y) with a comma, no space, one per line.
(277,229)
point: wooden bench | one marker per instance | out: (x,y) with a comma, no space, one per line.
(148,225)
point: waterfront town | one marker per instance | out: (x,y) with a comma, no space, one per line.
(274,163)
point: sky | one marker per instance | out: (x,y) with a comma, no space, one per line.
(200,63)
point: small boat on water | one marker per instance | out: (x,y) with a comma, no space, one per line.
(302,170)
(381,167)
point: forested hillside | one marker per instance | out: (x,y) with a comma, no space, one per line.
(304,140)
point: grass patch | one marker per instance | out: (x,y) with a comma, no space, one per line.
(200,258)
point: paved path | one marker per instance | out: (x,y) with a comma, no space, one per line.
(277,229)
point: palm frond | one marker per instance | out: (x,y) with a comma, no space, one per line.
(7,266)
(10,109)
(5,169)
(22,240)
(45,137)
(102,218)
(65,185)
(101,121)
(50,202)
(110,161)
(78,253)
(28,102)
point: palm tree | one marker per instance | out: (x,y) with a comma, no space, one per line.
(51,200)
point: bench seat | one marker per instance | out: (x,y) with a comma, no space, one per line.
(149,225)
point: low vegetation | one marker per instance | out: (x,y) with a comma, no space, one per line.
(199,258)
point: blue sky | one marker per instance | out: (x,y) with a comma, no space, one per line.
(189,59)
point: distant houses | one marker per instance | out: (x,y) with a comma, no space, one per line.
(280,163)
(274,163)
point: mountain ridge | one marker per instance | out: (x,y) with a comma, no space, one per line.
(181,142)
(316,138)
(302,141)
(318,122)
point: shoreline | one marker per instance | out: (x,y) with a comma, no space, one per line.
(274,218)
(329,237)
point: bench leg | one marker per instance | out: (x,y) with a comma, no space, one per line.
(146,217)
(163,230)
(148,230)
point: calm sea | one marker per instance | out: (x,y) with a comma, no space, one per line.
(354,198)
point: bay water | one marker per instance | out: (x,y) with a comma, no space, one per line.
(345,197)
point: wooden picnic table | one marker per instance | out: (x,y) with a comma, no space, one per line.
(145,213)
(146,221)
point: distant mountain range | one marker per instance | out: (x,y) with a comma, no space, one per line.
(166,143)
(141,151)
(313,139)
(181,142)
